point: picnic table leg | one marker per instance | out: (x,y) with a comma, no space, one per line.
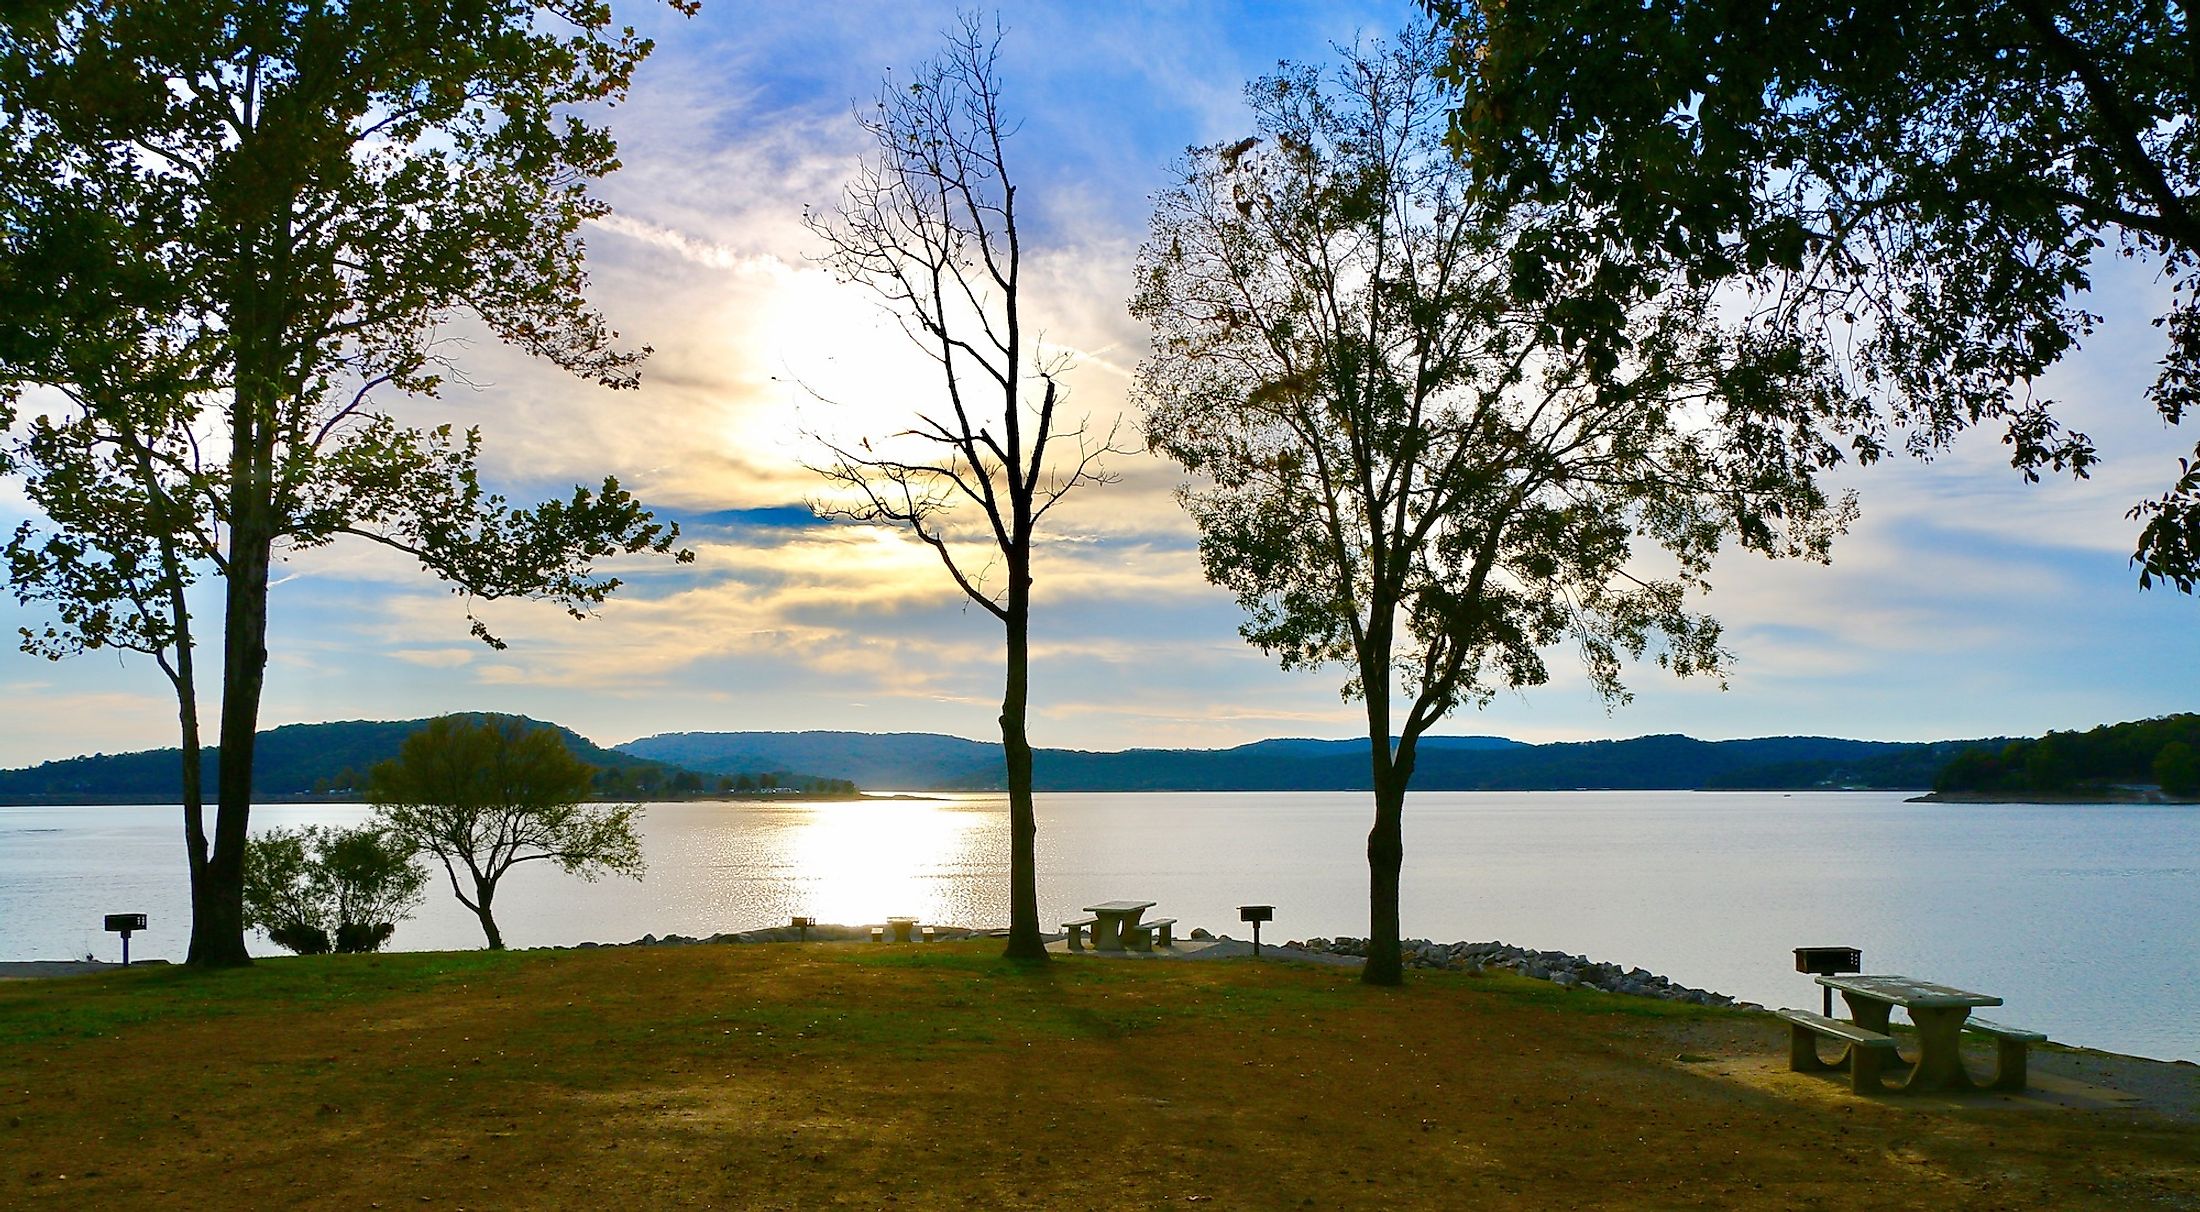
(1871,1014)
(1939,1048)
(1108,934)
(1868,1012)
(2009,1064)
(1803,1051)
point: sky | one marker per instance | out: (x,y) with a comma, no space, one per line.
(1964,603)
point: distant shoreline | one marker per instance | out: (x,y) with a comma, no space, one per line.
(2071,799)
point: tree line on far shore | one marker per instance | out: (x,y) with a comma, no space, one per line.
(2162,753)
(655,781)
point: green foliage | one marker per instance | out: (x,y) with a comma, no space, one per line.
(2177,769)
(251,217)
(2133,753)
(483,795)
(320,888)
(1910,194)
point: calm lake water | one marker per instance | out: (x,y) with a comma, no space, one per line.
(2086,920)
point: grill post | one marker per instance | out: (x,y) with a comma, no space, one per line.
(1256,914)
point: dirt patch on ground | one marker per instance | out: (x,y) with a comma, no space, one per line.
(822,1075)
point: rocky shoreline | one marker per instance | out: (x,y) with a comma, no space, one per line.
(823,932)
(1557,967)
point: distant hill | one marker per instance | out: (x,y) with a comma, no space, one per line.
(896,760)
(929,761)
(300,761)
(307,760)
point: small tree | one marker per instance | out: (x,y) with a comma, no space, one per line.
(486,794)
(930,225)
(318,889)
(1405,467)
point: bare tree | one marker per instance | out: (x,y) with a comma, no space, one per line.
(929,225)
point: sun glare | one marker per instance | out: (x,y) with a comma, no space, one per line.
(869,862)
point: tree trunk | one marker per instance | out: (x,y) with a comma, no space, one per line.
(185,680)
(194,799)
(1386,846)
(483,893)
(183,676)
(1024,942)
(1386,854)
(217,905)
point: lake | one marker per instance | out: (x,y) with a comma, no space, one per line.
(2086,920)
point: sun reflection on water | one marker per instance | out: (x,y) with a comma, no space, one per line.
(858,863)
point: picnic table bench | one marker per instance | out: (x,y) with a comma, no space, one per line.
(1868,1051)
(1145,936)
(1077,931)
(2010,1046)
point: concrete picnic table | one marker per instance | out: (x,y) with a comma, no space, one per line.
(1111,918)
(1938,1011)
(901,926)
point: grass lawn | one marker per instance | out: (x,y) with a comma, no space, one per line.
(793,1075)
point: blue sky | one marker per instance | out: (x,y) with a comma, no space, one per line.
(1965,603)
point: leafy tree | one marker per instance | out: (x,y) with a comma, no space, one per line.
(228,230)
(488,794)
(1403,467)
(930,224)
(1911,190)
(2177,769)
(307,886)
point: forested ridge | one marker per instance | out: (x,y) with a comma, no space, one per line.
(302,761)
(2112,760)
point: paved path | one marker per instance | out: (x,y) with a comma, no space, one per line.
(24,970)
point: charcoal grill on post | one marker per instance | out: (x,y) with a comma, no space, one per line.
(1828,961)
(123,924)
(1256,914)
